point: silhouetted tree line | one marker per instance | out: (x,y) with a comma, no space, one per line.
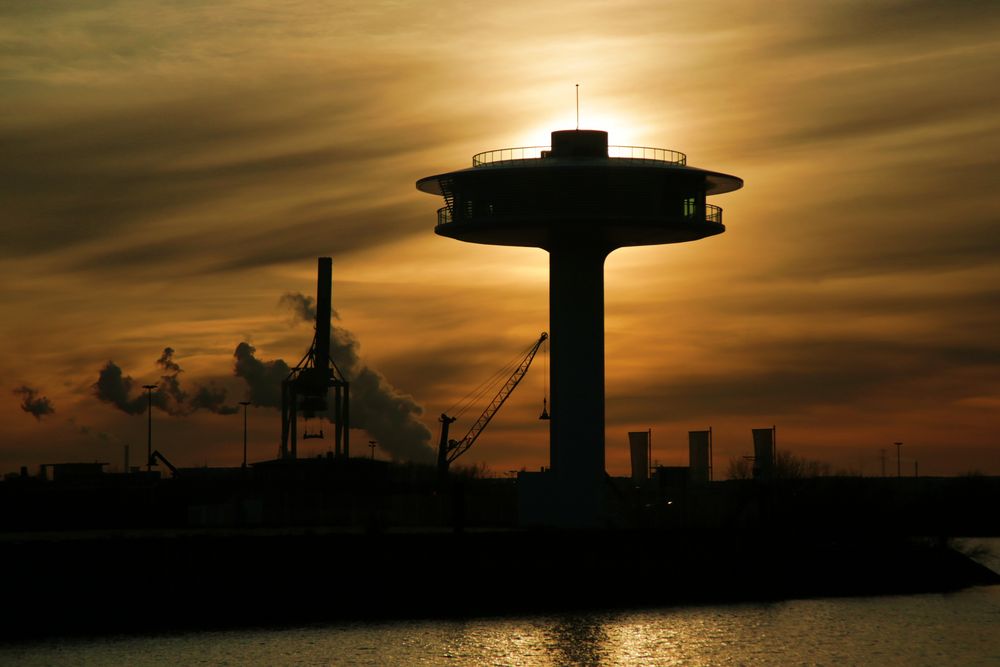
(786,466)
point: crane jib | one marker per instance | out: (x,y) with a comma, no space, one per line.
(458,447)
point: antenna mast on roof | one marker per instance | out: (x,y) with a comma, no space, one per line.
(578,106)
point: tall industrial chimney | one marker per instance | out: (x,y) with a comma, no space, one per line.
(324,287)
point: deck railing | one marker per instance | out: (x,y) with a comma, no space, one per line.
(712,214)
(444,215)
(647,153)
(502,155)
(617,153)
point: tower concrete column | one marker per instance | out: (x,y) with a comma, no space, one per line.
(576,325)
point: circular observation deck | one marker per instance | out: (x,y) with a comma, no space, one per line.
(579,191)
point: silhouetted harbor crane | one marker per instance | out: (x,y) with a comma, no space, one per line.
(307,387)
(449,450)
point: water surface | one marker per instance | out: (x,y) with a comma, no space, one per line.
(960,628)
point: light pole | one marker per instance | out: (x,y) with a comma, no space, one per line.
(244,404)
(372,443)
(149,427)
(899,445)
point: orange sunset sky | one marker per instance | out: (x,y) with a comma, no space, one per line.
(168,171)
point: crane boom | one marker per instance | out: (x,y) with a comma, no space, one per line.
(452,449)
(157,455)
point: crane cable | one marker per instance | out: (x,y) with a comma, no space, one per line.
(487,387)
(465,403)
(545,372)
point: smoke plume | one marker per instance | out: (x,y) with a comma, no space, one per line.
(100,435)
(212,399)
(389,416)
(121,391)
(32,403)
(263,378)
(115,388)
(169,396)
(303,307)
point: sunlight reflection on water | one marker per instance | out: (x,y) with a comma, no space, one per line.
(959,628)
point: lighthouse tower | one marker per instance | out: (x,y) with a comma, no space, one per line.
(579,199)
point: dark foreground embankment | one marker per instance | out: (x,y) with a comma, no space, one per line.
(152,582)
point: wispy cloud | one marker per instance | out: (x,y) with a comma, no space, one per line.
(167,172)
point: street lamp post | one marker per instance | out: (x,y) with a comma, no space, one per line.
(149,426)
(244,404)
(899,446)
